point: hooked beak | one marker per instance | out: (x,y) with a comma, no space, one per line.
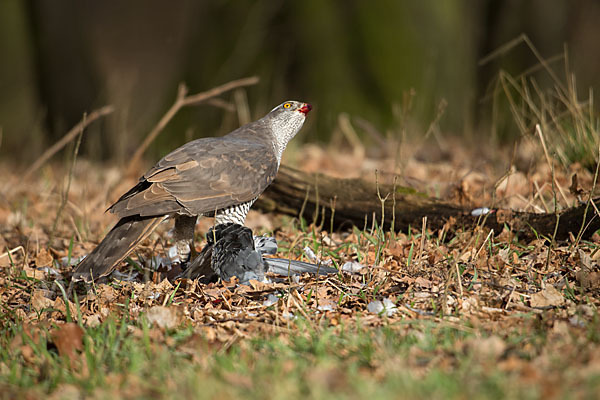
(305,108)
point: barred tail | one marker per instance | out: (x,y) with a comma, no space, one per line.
(117,244)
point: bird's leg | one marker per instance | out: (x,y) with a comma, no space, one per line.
(184,236)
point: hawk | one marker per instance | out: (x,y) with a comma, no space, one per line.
(218,177)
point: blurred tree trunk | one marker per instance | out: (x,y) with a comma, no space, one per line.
(389,62)
(21,115)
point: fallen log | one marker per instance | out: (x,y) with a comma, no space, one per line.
(335,203)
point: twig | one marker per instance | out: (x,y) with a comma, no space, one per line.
(301,214)
(298,300)
(393,225)
(181,101)
(423,231)
(8,253)
(538,129)
(540,195)
(72,134)
(529,203)
(316,214)
(523,38)
(332,206)
(554,186)
(459,279)
(75,228)
(381,233)
(358,149)
(474,259)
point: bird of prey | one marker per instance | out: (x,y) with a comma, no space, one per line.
(216,176)
(231,250)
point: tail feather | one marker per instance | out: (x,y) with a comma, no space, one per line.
(113,249)
(282,266)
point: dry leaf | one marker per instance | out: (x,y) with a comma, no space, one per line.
(331,378)
(549,296)
(68,338)
(235,379)
(466,256)
(490,348)
(35,273)
(505,255)
(10,257)
(33,333)
(66,391)
(164,317)
(59,305)
(43,259)
(470,304)
(258,286)
(587,280)
(39,301)
(92,320)
(585,261)
(424,283)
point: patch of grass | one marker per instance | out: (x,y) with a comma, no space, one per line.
(415,359)
(571,125)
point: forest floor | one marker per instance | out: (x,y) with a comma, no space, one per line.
(443,314)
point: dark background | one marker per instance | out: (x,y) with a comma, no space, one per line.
(59,59)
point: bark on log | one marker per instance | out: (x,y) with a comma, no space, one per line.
(354,202)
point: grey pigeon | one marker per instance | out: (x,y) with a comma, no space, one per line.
(230,251)
(265,245)
(217,176)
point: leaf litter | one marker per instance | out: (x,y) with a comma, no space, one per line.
(477,281)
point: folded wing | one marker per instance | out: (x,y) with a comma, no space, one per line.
(201,177)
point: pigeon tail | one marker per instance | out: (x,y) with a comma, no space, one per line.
(117,245)
(282,266)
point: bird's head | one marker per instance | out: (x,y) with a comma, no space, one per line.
(286,120)
(289,116)
(292,106)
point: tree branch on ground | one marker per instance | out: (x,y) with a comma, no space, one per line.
(357,203)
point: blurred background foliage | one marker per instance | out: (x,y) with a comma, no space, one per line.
(374,60)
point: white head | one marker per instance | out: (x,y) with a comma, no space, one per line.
(286,120)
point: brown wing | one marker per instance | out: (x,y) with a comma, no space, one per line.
(201,177)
